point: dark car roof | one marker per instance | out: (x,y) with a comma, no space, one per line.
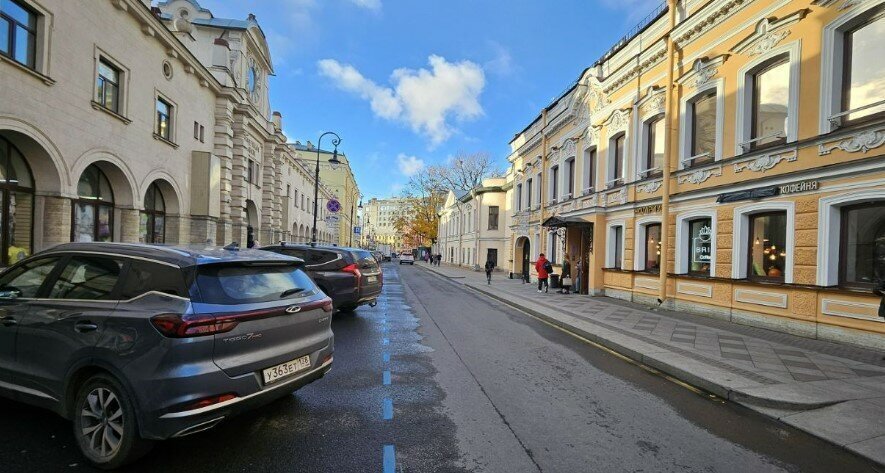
(307,246)
(179,255)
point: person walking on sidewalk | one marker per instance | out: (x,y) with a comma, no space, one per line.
(579,266)
(565,279)
(544,268)
(490,265)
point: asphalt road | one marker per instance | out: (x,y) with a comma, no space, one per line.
(437,378)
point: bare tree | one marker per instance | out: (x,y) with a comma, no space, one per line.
(464,171)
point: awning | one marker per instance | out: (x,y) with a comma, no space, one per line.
(557,221)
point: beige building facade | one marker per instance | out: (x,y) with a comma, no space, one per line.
(725,160)
(379,219)
(474,226)
(341,182)
(158,129)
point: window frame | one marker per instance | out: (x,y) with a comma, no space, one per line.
(570,176)
(845,88)
(843,247)
(590,157)
(32,31)
(616,159)
(614,246)
(648,146)
(96,204)
(554,183)
(171,120)
(696,158)
(768,66)
(750,243)
(101,79)
(497,215)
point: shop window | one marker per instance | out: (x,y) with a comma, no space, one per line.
(862,245)
(18,33)
(16,205)
(767,246)
(652,247)
(700,246)
(615,247)
(152,224)
(654,146)
(770,103)
(93,210)
(702,114)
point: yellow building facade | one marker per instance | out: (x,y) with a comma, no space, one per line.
(725,159)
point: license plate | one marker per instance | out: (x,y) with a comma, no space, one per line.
(286,369)
(372,279)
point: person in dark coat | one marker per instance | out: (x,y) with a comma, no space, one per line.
(566,276)
(490,266)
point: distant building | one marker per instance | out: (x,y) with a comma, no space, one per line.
(341,184)
(379,218)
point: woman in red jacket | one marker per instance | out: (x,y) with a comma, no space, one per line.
(542,266)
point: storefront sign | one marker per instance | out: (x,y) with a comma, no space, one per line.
(803,186)
(701,248)
(752,194)
(648,209)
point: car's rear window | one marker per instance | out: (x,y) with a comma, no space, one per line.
(244,284)
(365,260)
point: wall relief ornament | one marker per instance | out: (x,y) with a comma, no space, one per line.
(568,148)
(702,71)
(699,176)
(591,136)
(616,198)
(768,33)
(863,142)
(765,162)
(650,187)
(654,105)
(618,121)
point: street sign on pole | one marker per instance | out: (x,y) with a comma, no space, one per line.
(333,205)
(357,230)
(332,219)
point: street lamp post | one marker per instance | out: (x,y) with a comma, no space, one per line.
(316,179)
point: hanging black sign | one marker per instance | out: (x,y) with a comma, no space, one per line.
(751,194)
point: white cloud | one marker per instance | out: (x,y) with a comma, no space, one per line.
(409,165)
(424,99)
(502,63)
(374,5)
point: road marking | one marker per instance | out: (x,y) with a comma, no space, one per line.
(385,377)
(389,459)
(384,329)
(387,409)
(386,357)
(385,341)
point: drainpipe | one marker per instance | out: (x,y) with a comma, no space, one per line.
(542,188)
(665,197)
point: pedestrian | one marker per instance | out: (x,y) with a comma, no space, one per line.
(579,267)
(490,265)
(565,279)
(438,259)
(544,268)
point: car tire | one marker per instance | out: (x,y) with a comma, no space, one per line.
(105,424)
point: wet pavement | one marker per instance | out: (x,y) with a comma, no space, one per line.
(437,378)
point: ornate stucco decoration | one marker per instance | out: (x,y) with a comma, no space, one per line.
(846,4)
(768,33)
(568,148)
(589,202)
(591,136)
(618,197)
(618,121)
(597,99)
(702,71)
(765,162)
(653,103)
(863,142)
(650,187)
(694,28)
(699,176)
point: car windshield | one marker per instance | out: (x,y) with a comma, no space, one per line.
(243,284)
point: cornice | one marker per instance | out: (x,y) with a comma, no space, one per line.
(703,21)
(768,33)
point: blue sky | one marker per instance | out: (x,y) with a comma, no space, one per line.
(408,83)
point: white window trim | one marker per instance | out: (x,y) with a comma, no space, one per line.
(639,241)
(587,186)
(743,125)
(609,246)
(829,231)
(741,235)
(565,177)
(682,234)
(686,119)
(610,157)
(643,144)
(551,193)
(832,62)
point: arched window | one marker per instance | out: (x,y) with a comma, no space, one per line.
(93,211)
(16,204)
(152,224)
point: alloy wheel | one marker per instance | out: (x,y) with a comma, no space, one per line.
(101,421)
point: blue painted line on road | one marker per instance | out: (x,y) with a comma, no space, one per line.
(389,459)
(385,341)
(384,329)
(387,409)
(383,321)
(385,377)
(386,357)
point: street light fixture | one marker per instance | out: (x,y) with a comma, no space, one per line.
(333,162)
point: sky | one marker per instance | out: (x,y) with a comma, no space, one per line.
(411,83)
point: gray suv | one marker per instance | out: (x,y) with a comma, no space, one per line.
(136,343)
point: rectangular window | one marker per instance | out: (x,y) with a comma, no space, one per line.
(570,169)
(617,155)
(107,87)
(553,245)
(202,133)
(164,120)
(864,68)
(554,187)
(493,217)
(590,163)
(528,191)
(862,245)
(618,244)
(771,93)
(653,247)
(18,33)
(700,239)
(518,197)
(703,128)
(196,131)
(654,155)
(768,246)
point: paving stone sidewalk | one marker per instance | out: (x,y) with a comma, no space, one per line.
(830,390)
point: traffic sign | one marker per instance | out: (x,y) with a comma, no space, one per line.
(333,205)
(332,219)
(357,230)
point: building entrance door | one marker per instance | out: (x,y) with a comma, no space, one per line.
(526,259)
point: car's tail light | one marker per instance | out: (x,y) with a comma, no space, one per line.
(355,270)
(328,307)
(183,326)
(204,402)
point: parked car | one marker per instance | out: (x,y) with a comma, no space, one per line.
(406,257)
(350,276)
(378,256)
(136,343)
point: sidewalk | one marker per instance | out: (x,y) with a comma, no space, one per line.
(832,391)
